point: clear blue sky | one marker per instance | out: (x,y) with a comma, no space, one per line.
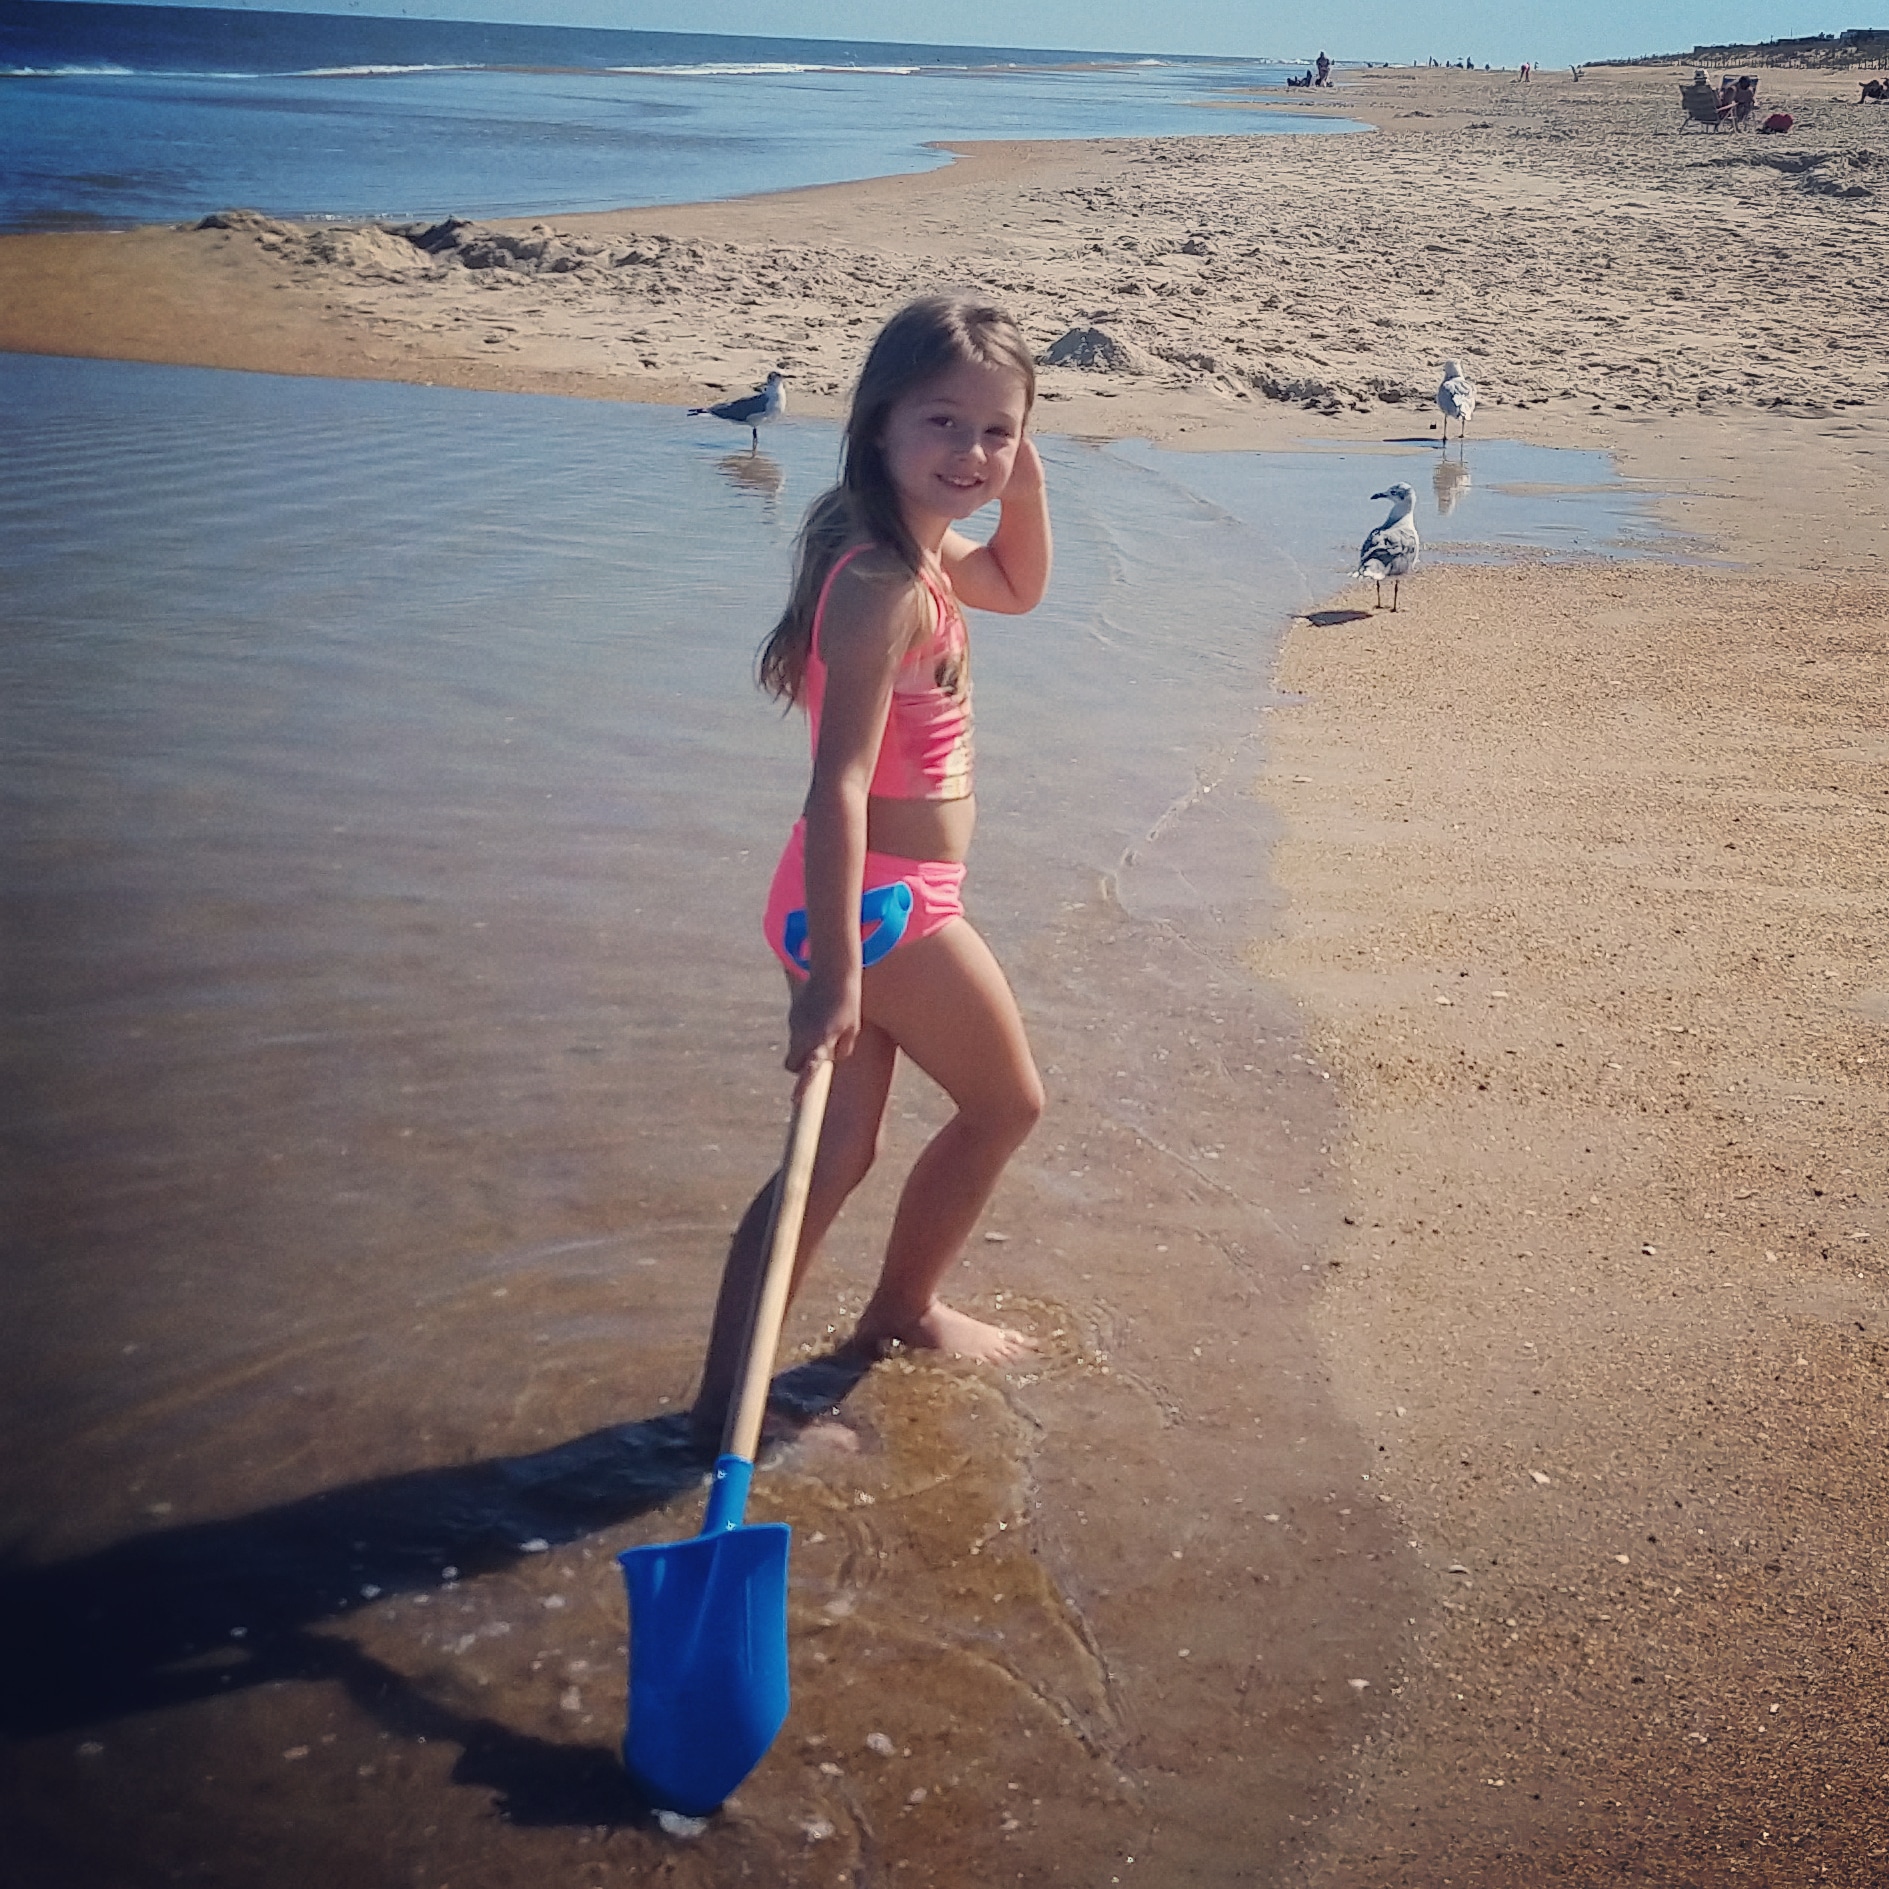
(1500,32)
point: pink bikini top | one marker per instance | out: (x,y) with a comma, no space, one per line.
(926,753)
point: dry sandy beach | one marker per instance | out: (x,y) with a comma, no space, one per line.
(1585,868)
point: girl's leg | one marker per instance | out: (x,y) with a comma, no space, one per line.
(849,1141)
(944,1001)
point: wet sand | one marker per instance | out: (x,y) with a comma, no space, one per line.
(1573,1008)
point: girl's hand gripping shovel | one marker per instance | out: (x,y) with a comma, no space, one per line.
(708,1617)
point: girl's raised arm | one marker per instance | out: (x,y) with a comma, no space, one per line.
(868,626)
(1009,574)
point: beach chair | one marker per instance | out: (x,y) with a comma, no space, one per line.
(1703,107)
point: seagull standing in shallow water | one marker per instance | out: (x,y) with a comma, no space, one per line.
(1390,552)
(1457,398)
(767,402)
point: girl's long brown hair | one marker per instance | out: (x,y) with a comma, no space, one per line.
(924,339)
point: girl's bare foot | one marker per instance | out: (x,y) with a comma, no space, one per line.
(941,1327)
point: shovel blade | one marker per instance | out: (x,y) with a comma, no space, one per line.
(708,1662)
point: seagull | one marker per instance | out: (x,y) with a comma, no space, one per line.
(767,402)
(1457,397)
(1390,552)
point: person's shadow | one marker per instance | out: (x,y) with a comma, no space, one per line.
(187,1613)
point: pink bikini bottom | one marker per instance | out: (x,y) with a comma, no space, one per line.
(903,899)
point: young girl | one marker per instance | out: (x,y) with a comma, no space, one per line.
(873,646)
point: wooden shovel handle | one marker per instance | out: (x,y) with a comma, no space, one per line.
(743,1435)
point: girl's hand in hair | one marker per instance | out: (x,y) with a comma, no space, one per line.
(1026,475)
(1010,572)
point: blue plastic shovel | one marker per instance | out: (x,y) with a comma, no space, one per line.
(708,1616)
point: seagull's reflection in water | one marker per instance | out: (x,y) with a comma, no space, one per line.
(754,471)
(1449,481)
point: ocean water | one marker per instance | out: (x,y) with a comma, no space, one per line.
(385,810)
(115,115)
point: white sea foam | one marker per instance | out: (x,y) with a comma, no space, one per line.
(136,72)
(65,72)
(216,72)
(372,72)
(735,70)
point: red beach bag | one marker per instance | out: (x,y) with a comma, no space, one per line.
(1778,121)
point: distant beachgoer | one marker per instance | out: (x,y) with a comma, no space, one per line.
(865,912)
(1524,72)
(1324,70)
(1576,70)
(1744,98)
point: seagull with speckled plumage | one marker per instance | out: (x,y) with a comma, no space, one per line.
(1389,554)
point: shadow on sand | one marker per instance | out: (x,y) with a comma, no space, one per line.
(1324,619)
(151,1622)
